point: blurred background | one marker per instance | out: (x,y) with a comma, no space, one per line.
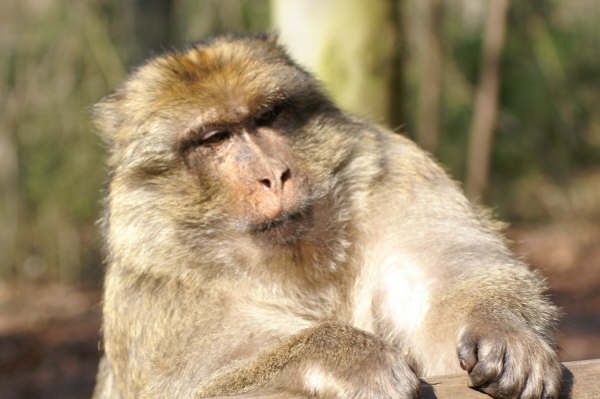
(505,94)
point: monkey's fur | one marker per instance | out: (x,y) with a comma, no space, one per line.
(262,243)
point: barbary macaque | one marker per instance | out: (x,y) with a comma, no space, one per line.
(263,243)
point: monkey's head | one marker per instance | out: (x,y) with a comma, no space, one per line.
(229,137)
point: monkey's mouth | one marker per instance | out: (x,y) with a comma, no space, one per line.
(278,222)
(284,229)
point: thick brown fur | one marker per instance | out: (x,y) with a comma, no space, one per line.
(262,243)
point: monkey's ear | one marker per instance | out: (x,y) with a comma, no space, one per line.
(108,116)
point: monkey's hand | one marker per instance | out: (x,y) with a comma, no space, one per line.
(339,361)
(507,359)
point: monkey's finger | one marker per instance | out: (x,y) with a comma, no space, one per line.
(500,390)
(552,384)
(490,363)
(533,388)
(467,353)
(543,379)
(551,390)
(541,386)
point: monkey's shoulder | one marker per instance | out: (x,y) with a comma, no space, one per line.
(397,162)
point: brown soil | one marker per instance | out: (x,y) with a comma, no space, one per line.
(49,340)
(569,256)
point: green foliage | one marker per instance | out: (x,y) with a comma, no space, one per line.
(197,20)
(547,102)
(550,87)
(60,62)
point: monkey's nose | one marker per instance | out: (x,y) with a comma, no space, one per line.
(276,182)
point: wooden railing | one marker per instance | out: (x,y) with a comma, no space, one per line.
(581,380)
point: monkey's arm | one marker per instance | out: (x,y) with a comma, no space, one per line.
(466,291)
(500,324)
(219,353)
(329,360)
(504,321)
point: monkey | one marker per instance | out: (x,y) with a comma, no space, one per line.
(263,243)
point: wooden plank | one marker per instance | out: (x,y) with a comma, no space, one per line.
(581,380)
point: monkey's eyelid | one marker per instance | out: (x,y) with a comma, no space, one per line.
(268,116)
(216,135)
(207,137)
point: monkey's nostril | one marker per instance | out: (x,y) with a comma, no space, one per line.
(265,182)
(285,176)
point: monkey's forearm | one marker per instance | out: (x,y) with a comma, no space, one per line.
(506,292)
(320,360)
(318,344)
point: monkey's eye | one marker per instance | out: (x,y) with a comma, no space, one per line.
(215,137)
(268,116)
(210,138)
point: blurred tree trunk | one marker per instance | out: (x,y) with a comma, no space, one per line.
(430,81)
(349,44)
(9,203)
(486,101)
(396,111)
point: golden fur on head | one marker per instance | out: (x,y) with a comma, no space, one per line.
(226,74)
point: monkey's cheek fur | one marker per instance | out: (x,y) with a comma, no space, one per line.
(509,364)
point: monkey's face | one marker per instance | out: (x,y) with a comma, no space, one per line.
(250,162)
(229,137)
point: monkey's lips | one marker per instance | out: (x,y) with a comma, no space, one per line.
(284,229)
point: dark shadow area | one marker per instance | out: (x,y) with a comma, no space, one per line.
(567,386)
(427,391)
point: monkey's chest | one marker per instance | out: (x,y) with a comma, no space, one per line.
(392,292)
